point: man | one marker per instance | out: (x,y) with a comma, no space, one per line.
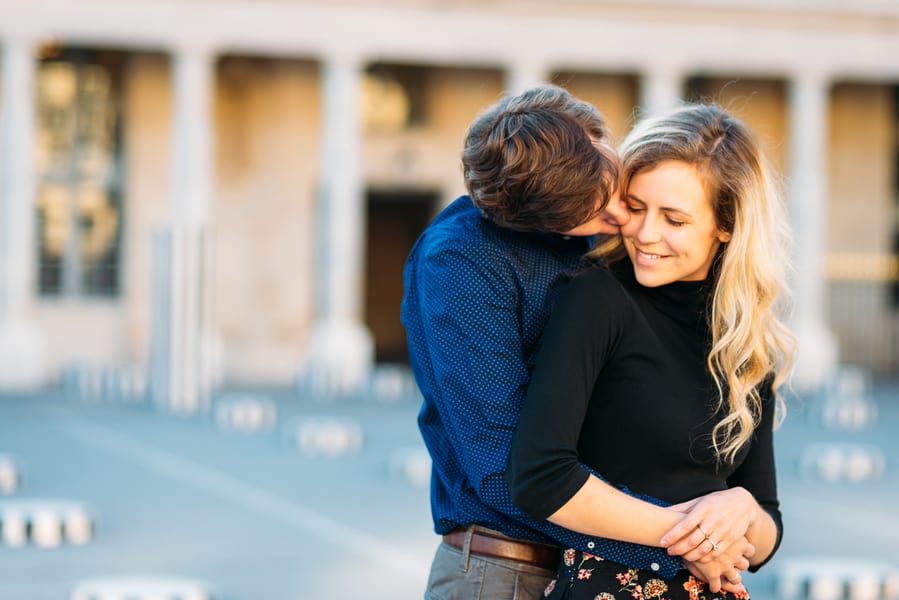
(480,280)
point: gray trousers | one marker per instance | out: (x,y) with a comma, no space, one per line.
(458,575)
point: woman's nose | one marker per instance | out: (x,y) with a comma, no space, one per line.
(646,232)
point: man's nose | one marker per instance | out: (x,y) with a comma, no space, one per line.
(616,210)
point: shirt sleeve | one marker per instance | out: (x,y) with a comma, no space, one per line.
(757,472)
(472,330)
(543,470)
(472,333)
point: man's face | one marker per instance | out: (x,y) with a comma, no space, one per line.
(608,218)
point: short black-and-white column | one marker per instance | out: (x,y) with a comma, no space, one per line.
(146,587)
(10,476)
(835,578)
(45,523)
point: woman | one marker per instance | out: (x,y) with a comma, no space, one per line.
(661,371)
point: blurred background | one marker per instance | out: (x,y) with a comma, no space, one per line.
(205,207)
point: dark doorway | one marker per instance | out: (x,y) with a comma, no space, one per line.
(395,219)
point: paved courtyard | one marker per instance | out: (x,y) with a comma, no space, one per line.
(273,515)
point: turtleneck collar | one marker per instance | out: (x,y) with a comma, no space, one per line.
(686,302)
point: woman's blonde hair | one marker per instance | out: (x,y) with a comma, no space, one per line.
(751,346)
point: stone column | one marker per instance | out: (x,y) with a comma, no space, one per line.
(661,87)
(192,137)
(340,350)
(808,129)
(523,75)
(181,370)
(22,354)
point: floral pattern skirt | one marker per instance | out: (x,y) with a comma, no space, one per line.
(584,576)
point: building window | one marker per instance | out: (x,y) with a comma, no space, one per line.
(393,98)
(79,187)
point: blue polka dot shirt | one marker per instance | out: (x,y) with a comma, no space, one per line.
(477,297)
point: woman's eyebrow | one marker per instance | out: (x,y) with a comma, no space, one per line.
(667,209)
(670,209)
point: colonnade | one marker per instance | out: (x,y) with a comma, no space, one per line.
(340,348)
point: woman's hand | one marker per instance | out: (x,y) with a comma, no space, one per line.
(725,572)
(711,524)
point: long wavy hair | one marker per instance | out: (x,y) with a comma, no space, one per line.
(751,345)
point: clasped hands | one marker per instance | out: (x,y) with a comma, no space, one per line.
(711,537)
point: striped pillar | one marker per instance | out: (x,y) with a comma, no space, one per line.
(181,368)
(181,373)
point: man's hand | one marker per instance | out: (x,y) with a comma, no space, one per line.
(725,571)
(711,524)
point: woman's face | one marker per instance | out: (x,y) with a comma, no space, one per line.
(672,234)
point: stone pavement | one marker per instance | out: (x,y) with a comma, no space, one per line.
(270,497)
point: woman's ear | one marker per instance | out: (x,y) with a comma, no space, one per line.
(723,236)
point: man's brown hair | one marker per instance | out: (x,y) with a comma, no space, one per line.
(530,161)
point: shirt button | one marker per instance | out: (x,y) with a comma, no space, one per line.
(654,566)
(590,545)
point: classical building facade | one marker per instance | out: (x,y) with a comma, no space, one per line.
(229,189)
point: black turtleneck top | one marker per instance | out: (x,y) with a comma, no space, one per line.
(621,386)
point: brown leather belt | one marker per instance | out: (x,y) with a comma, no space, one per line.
(484,544)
